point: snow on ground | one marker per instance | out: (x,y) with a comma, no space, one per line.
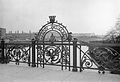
(14,73)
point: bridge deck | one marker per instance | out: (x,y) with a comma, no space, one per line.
(13,73)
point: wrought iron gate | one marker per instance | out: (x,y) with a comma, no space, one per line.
(54,45)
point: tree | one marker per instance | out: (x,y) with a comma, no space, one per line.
(113,36)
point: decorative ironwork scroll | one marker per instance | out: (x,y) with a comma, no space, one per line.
(66,55)
(56,54)
(18,53)
(86,60)
(106,57)
(53,54)
(52,25)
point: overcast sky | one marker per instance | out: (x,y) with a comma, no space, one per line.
(80,16)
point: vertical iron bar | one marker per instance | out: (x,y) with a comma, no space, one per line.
(2,53)
(69,55)
(40,56)
(62,54)
(29,57)
(37,54)
(43,53)
(33,53)
(74,55)
(65,58)
(80,60)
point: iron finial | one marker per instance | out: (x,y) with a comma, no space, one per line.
(52,19)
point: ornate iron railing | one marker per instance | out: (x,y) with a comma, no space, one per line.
(70,55)
(60,49)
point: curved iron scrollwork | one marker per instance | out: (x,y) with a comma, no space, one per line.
(106,57)
(86,60)
(66,55)
(52,54)
(52,26)
(18,53)
(40,53)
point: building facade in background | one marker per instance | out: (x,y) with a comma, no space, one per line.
(22,36)
(19,36)
(2,33)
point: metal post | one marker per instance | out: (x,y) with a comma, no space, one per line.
(62,53)
(33,53)
(74,55)
(37,54)
(2,51)
(43,54)
(69,39)
(29,62)
(80,60)
(69,56)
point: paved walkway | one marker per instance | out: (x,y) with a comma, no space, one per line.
(13,73)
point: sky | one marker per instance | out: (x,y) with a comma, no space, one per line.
(80,16)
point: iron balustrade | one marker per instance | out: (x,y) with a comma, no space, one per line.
(60,49)
(66,54)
